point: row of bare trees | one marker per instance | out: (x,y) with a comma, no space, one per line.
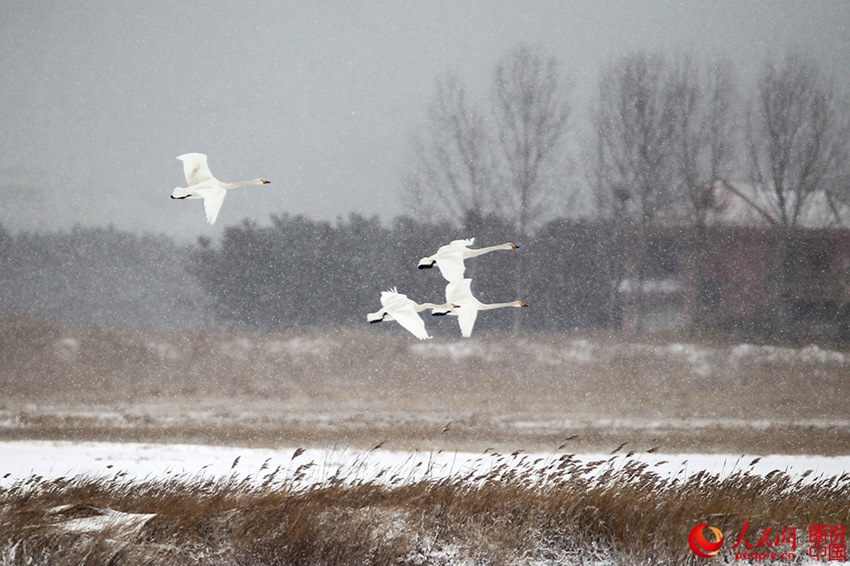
(664,131)
(661,129)
(508,160)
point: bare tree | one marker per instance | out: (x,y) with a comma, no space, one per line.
(798,134)
(704,132)
(703,153)
(532,114)
(798,138)
(454,173)
(635,127)
(506,160)
(633,175)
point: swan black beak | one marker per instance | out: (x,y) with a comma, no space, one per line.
(522,304)
(265,181)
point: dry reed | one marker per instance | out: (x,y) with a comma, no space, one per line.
(560,511)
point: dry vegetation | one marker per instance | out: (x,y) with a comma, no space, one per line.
(358,387)
(557,512)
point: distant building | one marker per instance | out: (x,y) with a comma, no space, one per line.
(729,277)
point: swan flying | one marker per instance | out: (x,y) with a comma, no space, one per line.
(466,306)
(203,185)
(449,258)
(405,311)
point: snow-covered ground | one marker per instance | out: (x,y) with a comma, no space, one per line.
(41,461)
(132,461)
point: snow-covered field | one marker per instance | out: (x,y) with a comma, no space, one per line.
(353,387)
(34,463)
(144,461)
(660,425)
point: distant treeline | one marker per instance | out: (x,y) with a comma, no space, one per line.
(297,272)
(102,276)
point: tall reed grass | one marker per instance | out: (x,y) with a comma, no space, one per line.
(558,511)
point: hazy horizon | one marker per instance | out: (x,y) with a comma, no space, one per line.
(320,98)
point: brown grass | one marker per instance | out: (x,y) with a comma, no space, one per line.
(360,386)
(520,512)
(357,387)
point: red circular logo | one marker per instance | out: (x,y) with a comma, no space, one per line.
(700,545)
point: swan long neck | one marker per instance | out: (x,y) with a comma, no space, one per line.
(241,184)
(488,249)
(487,307)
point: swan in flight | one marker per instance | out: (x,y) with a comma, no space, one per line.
(449,258)
(203,185)
(466,306)
(405,311)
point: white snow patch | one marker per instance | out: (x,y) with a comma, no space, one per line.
(651,286)
(139,462)
(163,350)
(238,348)
(454,351)
(579,351)
(299,345)
(67,349)
(100,519)
(772,354)
(698,358)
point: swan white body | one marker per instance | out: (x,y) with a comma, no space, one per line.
(405,311)
(466,306)
(449,258)
(203,185)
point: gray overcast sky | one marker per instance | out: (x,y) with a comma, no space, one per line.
(99,97)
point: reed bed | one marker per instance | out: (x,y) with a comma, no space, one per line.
(555,510)
(357,387)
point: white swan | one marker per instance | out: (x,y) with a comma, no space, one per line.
(466,306)
(203,185)
(405,311)
(449,258)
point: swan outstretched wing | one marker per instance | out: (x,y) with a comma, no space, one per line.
(391,295)
(410,320)
(195,168)
(460,293)
(450,259)
(213,199)
(452,267)
(466,320)
(403,311)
